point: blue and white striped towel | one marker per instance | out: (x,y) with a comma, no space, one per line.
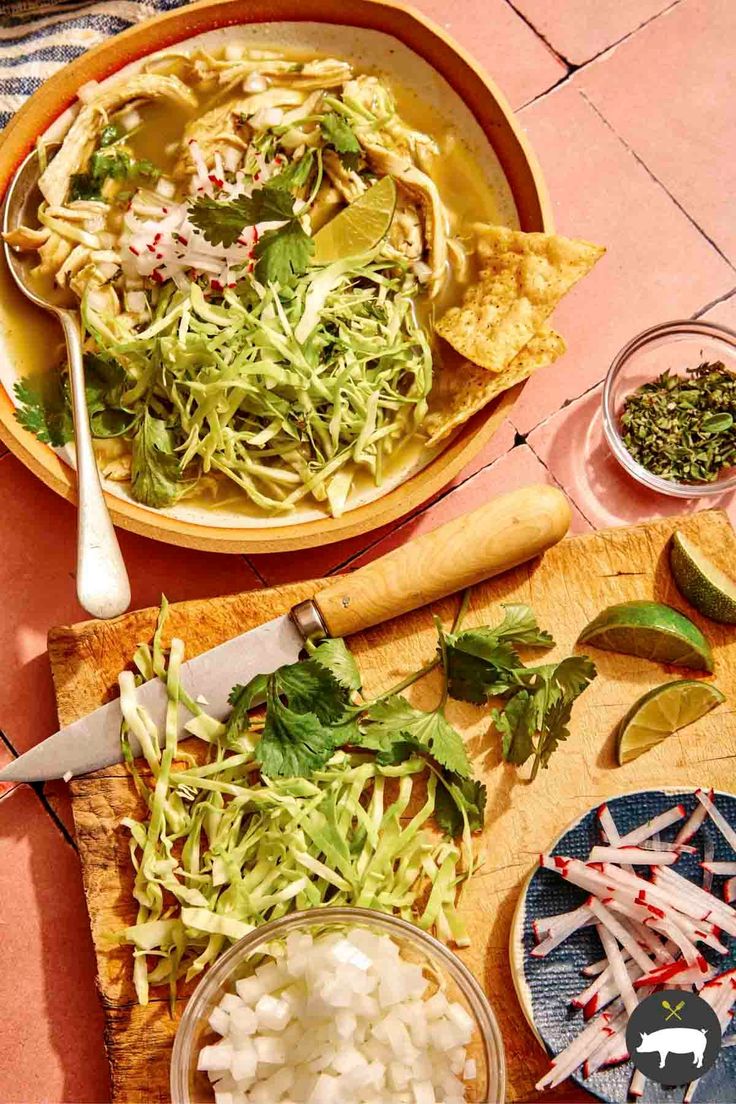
(37,38)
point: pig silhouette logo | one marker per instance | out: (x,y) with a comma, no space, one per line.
(673,1037)
(675,1040)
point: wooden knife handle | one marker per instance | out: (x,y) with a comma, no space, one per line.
(508,530)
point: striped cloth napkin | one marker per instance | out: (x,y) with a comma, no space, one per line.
(37,38)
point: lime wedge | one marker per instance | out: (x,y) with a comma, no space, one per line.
(662,711)
(699,580)
(651,631)
(358,228)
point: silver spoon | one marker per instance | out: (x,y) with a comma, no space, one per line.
(103,588)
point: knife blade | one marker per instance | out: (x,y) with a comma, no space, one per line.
(510,529)
(94,741)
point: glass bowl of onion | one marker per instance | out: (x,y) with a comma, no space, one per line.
(335,1005)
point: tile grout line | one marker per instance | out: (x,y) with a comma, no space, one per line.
(576,67)
(709,306)
(656,179)
(555,52)
(564,490)
(37,788)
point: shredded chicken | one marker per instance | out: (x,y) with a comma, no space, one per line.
(348,183)
(224,125)
(80,139)
(406,230)
(52,254)
(321,73)
(23,237)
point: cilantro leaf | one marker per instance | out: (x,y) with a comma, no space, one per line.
(433,731)
(555,730)
(242,699)
(338,133)
(520,626)
(222,221)
(283,254)
(515,723)
(310,687)
(44,410)
(296,174)
(155,471)
(336,657)
(482,662)
(457,795)
(294,744)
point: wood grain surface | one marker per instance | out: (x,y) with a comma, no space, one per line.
(573,581)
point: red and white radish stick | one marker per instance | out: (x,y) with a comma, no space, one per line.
(613,1051)
(651,827)
(648,938)
(620,973)
(677,973)
(637,1084)
(692,824)
(709,853)
(692,896)
(728,833)
(609,991)
(608,825)
(638,856)
(619,932)
(595,968)
(599,981)
(582,1046)
(566,922)
(728,868)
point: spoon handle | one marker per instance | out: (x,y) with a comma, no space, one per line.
(103,588)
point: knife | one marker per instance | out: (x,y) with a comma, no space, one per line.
(506,531)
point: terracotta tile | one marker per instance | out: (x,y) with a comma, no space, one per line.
(37,543)
(517,59)
(47,989)
(5,758)
(677,116)
(580,29)
(517,468)
(312,563)
(572,446)
(602,193)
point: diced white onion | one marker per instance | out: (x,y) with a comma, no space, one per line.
(255,82)
(335,1019)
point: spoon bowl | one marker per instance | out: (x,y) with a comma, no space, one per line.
(103,588)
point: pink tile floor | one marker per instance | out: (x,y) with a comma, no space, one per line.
(629,104)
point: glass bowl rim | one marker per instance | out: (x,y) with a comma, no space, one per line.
(469,986)
(694,327)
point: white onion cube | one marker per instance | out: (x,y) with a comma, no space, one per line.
(219,1021)
(217,1057)
(270,1050)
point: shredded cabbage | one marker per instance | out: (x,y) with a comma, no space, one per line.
(287,393)
(223,849)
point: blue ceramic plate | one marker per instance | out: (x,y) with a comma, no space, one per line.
(547,985)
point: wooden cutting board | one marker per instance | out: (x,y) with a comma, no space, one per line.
(571,584)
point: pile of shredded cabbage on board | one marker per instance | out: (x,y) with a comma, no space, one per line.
(330,799)
(218,353)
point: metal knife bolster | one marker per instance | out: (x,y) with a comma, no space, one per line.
(308,620)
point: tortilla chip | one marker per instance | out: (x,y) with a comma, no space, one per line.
(522,279)
(464,389)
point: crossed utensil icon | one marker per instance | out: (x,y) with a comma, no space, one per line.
(673,1011)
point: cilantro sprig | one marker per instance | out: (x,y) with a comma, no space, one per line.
(281,253)
(315,707)
(338,134)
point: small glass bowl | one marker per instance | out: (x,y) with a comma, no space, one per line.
(674,346)
(188,1086)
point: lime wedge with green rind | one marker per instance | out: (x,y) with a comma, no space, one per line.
(358,228)
(652,631)
(661,712)
(705,586)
